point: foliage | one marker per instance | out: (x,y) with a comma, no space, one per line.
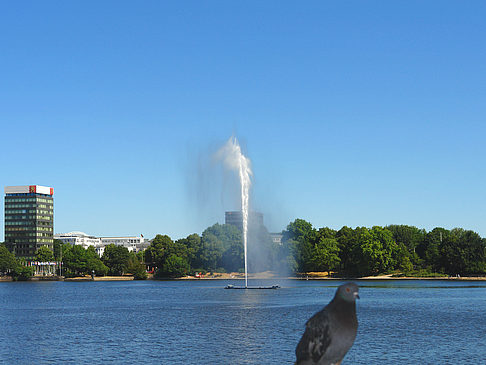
(57,249)
(374,251)
(94,263)
(44,254)
(174,267)
(116,259)
(349,251)
(298,238)
(136,267)
(221,246)
(192,243)
(22,273)
(463,252)
(410,237)
(8,262)
(325,255)
(78,261)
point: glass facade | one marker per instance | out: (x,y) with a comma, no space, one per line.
(29,222)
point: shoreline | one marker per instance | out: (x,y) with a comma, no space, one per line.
(257,276)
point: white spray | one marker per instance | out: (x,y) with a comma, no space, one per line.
(232,157)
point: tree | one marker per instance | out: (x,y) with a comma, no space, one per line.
(325,255)
(212,249)
(193,247)
(22,272)
(94,263)
(411,237)
(429,251)
(297,230)
(116,258)
(44,254)
(347,239)
(57,249)
(136,267)
(74,260)
(8,262)
(463,252)
(374,251)
(161,248)
(298,237)
(174,266)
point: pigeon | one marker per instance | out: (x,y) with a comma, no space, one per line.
(330,333)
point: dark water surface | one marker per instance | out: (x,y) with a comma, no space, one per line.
(198,322)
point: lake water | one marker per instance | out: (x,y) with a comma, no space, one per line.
(198,322)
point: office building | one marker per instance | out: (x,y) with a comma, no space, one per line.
(29,219)
(255,219)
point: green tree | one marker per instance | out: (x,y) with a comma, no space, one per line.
(136,267)
(212,249)
(193,247)
(161,248)
(299,237)
(74,260)
(8,262)
(325,255)
(411,237)
(116,259)
(44,254)
(94,263)
(374,251)
(229,239)
(347,240)
(57,249)
(429,251)
(297,230)
(401,257)
(463,252)
(22,272)
(174,267)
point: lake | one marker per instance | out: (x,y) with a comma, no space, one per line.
(198,322)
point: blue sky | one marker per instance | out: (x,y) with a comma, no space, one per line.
(354,113)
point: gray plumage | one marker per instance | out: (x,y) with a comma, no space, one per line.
(330,333)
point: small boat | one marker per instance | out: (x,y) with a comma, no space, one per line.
(252,287)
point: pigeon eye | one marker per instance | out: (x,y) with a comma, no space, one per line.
(347,290)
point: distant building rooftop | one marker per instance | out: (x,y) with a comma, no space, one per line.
(29,189)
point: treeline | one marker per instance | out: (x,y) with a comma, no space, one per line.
(77,261)
(396,248)
(218,249)
(348,252)
(13,266)
(116,260)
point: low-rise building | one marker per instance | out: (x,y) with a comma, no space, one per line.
(132,243)
(78,238)
(276,238)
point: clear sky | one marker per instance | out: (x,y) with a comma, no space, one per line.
(354,113)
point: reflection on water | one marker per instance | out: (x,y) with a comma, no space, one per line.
(198,322)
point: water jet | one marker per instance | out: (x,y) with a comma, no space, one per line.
(234,159)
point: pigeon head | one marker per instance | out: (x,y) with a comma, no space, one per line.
(348,292)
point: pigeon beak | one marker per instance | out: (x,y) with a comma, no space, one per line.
(356,295)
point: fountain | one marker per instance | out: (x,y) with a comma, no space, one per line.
(234,159)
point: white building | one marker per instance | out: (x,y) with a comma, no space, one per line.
(276,238)
(78,238)
(132,243)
